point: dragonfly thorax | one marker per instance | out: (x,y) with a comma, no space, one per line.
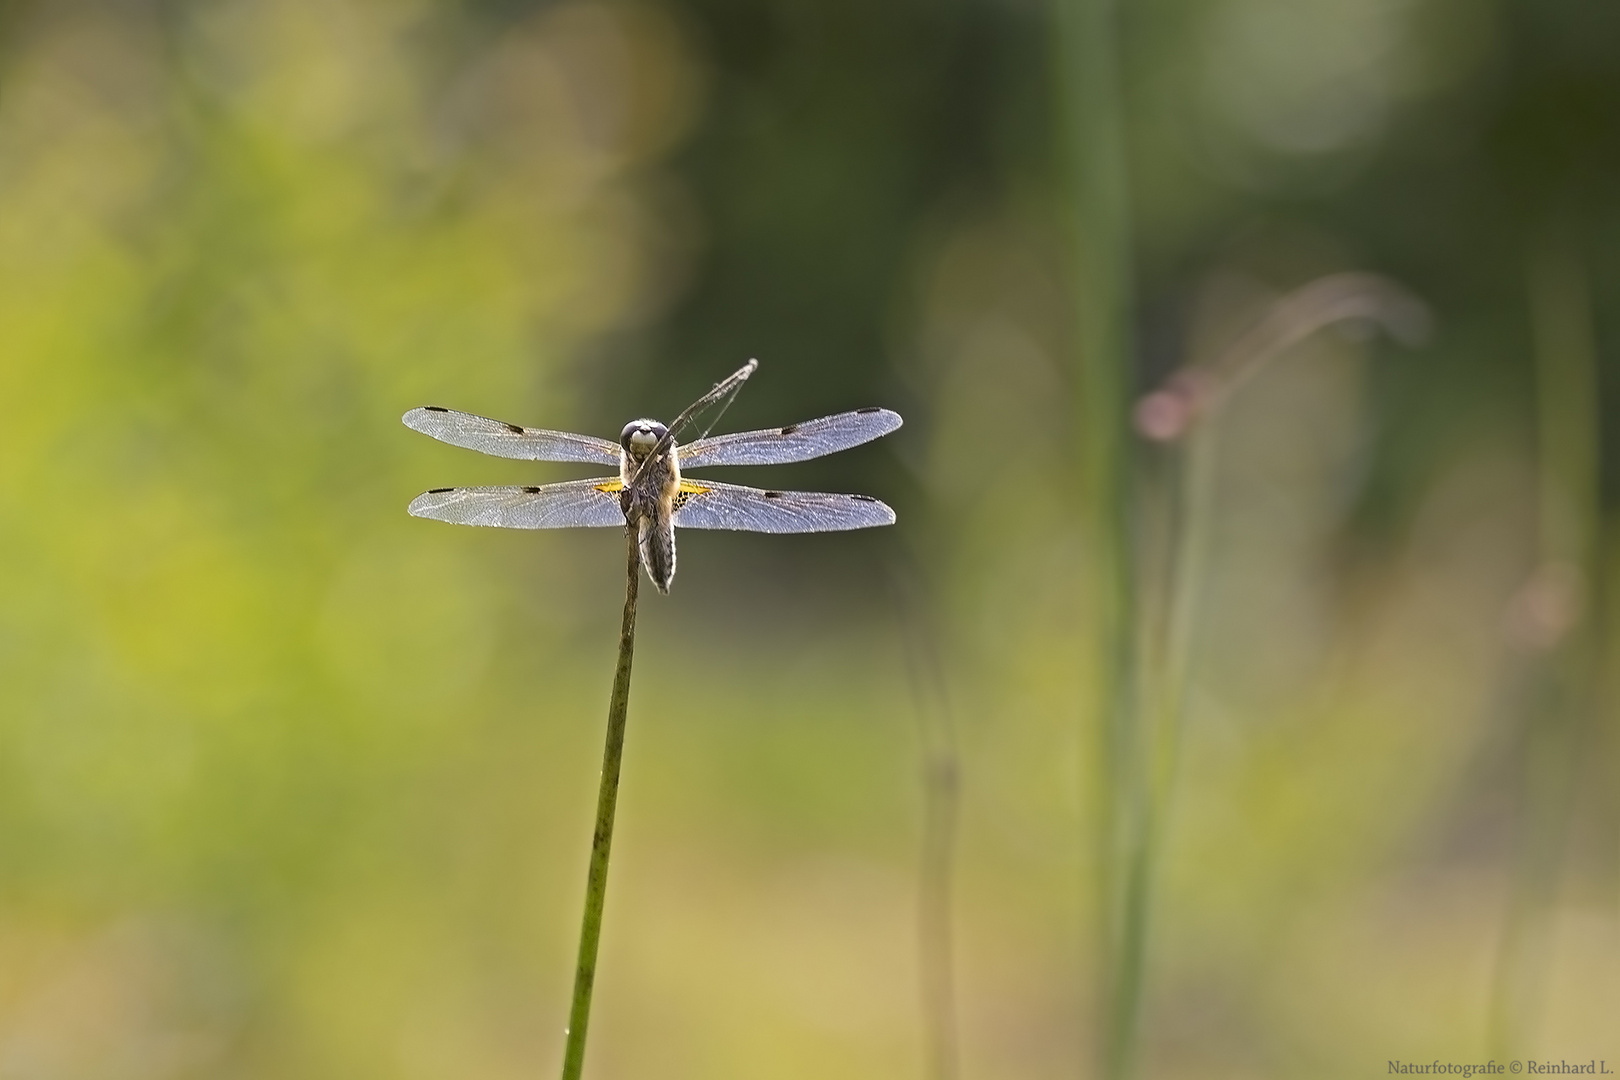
(649,483)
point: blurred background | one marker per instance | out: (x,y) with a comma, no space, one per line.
(294,785)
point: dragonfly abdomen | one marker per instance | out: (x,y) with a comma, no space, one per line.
(657,540)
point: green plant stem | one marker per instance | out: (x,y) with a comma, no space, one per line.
(1093,144)
(1195,514)
(1165,659)
(607,798)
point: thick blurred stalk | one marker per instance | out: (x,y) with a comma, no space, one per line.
(1554,618)
(941,778)
(607,799)
(1567,402)
(1091,141)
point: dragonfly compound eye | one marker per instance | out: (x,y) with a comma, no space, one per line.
(641,435)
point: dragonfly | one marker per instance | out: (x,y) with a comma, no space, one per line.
(652,493)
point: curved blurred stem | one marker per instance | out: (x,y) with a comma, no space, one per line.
(1197,389)
(1186,411)
(1092,141)
(1314,306)
(590,931)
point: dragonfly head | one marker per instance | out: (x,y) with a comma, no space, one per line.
(640,436)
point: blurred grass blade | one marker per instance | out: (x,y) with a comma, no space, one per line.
(1093,146)
(941,777)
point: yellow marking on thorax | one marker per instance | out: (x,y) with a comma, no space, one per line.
(630,465)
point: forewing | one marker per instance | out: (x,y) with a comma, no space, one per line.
(708,505)
(576,504)
(509,440)
(796,442)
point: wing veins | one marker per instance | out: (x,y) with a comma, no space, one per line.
(795,442)
(500,439)
(711,505)
(573,504)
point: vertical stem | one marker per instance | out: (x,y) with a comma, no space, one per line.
(1568,681)
(935,915)
(1164,666)
(590,931)
(1566,401)
(941,775)
(1092,140)
(1192,517)
(1167,601)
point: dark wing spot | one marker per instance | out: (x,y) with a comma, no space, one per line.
(773,494)
(873,409)
(790,429)
(863,498)
(514,429)
(532,490)
(439,491)
(435,408)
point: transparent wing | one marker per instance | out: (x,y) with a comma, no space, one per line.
(509,440)
(576,504)
(796,442)
(708,505)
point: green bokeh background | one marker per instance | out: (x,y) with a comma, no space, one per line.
(294,785)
